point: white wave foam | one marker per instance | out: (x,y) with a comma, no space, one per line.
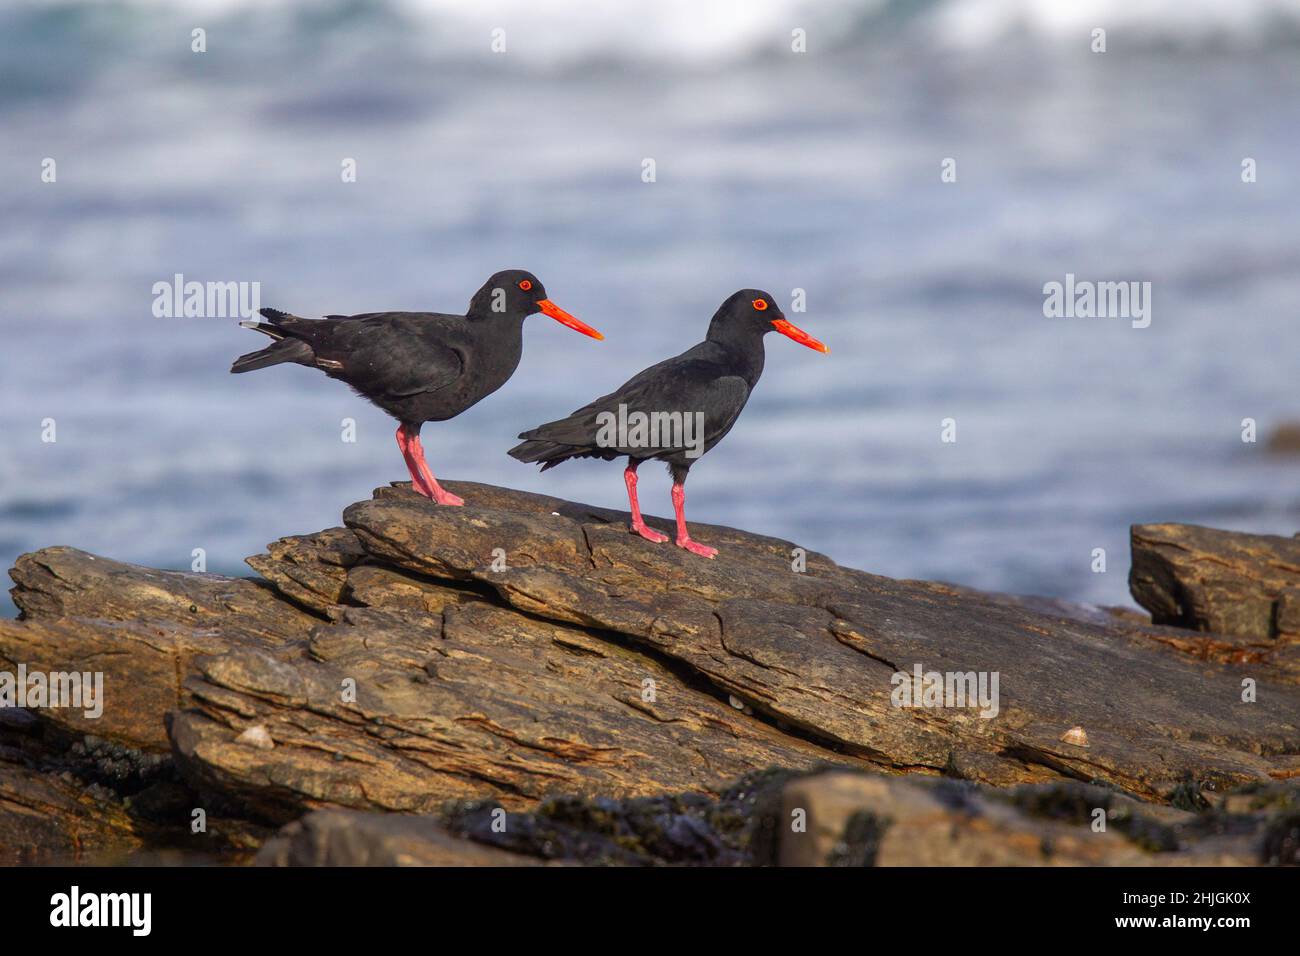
(1184,23)
(728,30)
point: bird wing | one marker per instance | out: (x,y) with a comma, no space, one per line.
(396,354)
(680,385)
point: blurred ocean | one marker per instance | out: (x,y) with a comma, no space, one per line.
(818,171)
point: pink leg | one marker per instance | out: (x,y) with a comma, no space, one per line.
(421,476)
(638,525)
(439,495)
(417,480)
(684,536)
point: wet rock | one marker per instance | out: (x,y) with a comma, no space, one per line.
(829,818)
(52,818)
(731,828)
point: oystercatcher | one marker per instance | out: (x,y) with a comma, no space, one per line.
(674,411)
(417,366)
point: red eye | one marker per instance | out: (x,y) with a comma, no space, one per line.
(760,304)
(525,284)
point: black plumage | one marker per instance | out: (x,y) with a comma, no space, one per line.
(416,366)
(707,386)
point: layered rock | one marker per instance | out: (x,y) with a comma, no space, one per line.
(524,650)
(1225,582)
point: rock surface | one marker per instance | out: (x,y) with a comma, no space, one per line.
(525,650)
(835,818)
(1241,589)
(353,838)
(858,819)
(46,818)
(815,651)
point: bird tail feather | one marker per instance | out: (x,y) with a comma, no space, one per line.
(281,351)
(546,453)
(284,349)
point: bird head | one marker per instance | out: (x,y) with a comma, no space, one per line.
(519,292)
(751,311)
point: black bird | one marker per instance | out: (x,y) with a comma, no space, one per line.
(417,366)
(695,398)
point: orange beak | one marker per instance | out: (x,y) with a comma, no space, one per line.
(799,335)
(559,315)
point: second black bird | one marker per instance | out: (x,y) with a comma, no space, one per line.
(707,384)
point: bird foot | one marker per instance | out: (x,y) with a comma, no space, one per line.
(436,494)
(648,533)
(694,547)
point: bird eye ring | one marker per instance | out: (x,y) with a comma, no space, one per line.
(525,284)
(760,304)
